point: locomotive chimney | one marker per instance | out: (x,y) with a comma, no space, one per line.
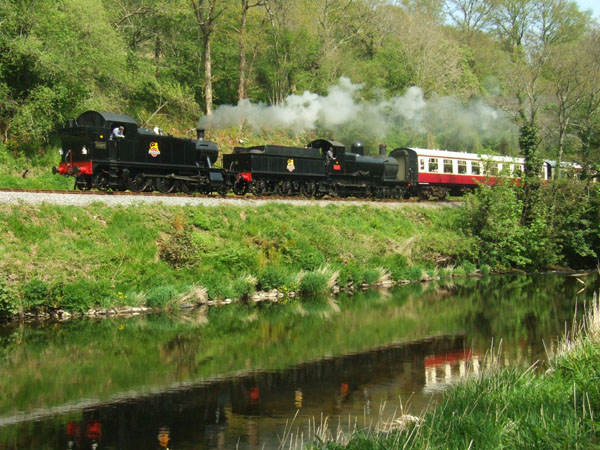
(357,148)
(382,150)
(200,134)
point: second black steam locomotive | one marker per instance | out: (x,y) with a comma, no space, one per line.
(143,160)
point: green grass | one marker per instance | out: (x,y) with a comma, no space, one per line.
(95,251)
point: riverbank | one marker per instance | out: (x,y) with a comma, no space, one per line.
(511,408)
(110,258)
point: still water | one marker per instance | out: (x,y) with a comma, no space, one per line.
(265,376)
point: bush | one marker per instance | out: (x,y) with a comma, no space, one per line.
(179,249)
(466,268)
(9,301)
(159,296)
(272,277)
(371,276)
(35,295)
(82,294)
(314,283)
(243,286)
(411,273)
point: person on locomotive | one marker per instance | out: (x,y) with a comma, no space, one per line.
(117,132)
(330,155)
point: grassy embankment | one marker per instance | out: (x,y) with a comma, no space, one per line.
(556,408)
(72,258)
(76,258)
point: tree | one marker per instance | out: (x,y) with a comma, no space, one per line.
(567,84)
(246,6)
(40,86)
(206,14)
(469,15)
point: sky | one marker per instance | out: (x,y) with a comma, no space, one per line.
(594,5)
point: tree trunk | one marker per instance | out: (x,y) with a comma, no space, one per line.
(242,78)
(208,89)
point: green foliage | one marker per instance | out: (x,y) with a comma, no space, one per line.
(81,295)
(410,273)
(492,216)
(178,249)
(272,277)
(9,301)
(159,296)
(314,283)
(242,287)
(35,294)
(559,228)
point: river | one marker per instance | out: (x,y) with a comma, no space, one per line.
(271,375)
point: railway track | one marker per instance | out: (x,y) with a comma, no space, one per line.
(78,197)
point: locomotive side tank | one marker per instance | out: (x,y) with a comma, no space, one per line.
(274,169)
(139,160)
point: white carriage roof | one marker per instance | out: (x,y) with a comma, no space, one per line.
(435,153)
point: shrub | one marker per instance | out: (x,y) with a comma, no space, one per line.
(159,296)
(466,268)
(371,276)
(272,277)
(9,302)
(411,273)
(243,286)
(314,283)
(35,294)
(179,249)
(82,294)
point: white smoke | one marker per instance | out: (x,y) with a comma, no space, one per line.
(342,108)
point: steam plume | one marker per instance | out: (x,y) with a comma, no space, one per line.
(341,110)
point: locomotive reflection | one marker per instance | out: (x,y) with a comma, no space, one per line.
(240,412)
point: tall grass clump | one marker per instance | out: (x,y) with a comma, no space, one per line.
(317,282)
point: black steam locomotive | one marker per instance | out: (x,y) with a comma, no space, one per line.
(322,167)
(138,159)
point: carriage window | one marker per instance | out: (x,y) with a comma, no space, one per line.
(462,167)
(493,168)
(475,168)
(447,166)
(422,164)
(433,164)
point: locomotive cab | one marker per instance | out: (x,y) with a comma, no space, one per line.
(335,165)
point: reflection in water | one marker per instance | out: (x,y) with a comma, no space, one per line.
(240,380)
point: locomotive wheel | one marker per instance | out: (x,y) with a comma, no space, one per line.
(83,184)
(222,190)
(308,189)
(138,183)
(100,181)
(165,185)
(183,186)
(398,193)
(240,187)
(284,188)
(258,187)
